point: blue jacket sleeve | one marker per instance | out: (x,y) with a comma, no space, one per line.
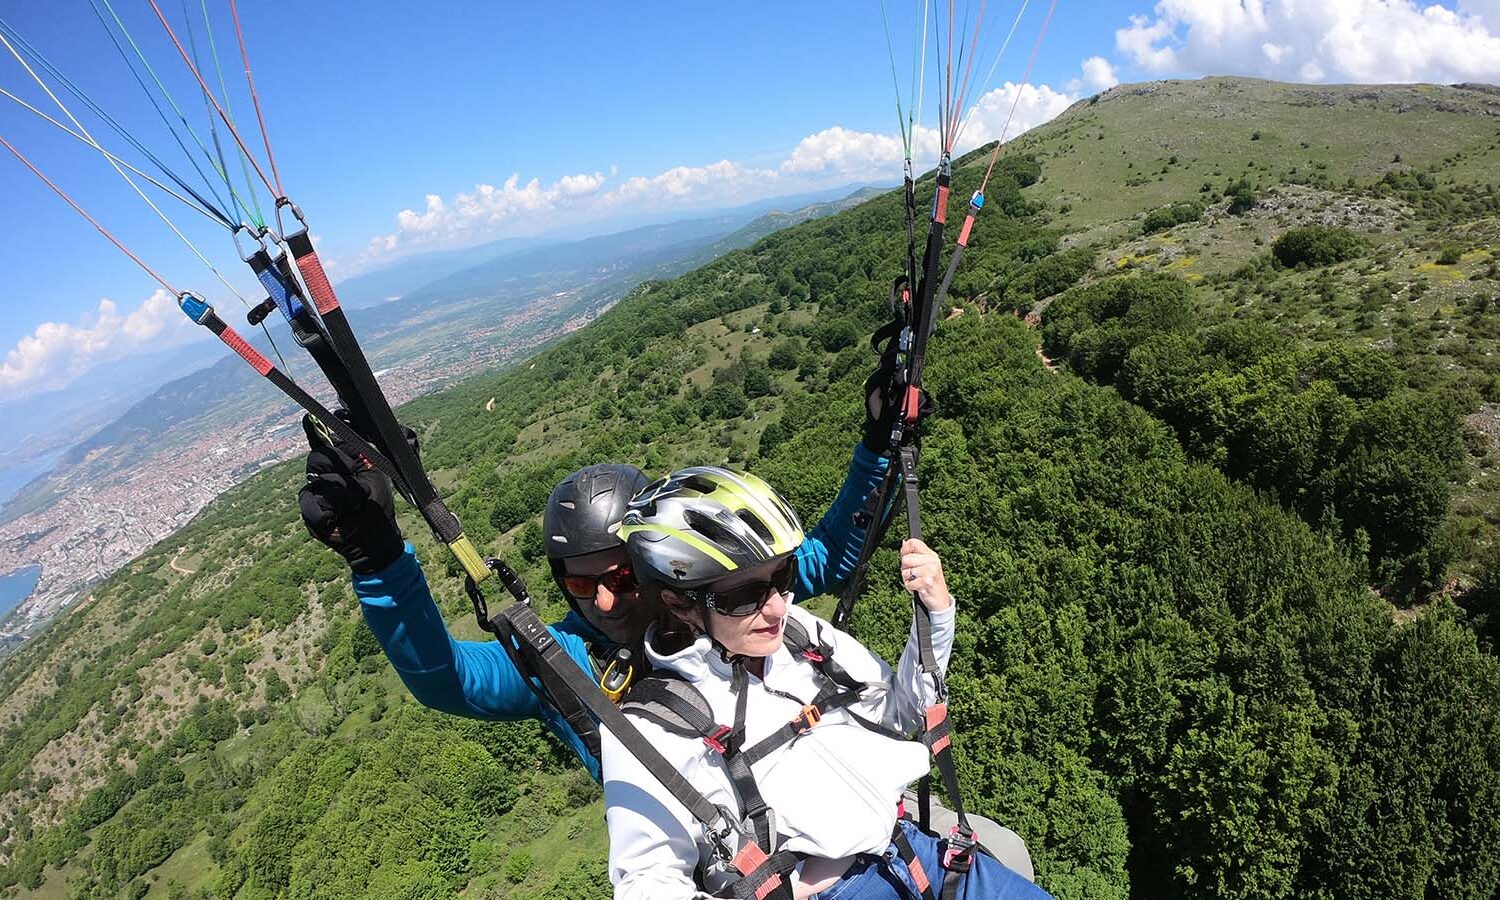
(467,678)
(830,551)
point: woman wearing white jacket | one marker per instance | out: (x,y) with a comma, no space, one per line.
(815,760)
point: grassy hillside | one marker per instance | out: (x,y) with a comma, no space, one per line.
(1172,680)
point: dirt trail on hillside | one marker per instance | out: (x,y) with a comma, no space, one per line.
(179,569)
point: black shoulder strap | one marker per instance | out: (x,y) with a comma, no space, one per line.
(675,705)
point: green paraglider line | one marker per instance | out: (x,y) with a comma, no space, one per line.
(240,210)
(181,117)
(51,69)
(260,218)
(895,82)
(187,60)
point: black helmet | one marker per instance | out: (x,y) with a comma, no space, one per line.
(584,512)
(585,509)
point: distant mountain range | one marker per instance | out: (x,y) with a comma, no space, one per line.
(186,387)
(143,472)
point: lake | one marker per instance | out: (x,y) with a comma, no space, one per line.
(16,477)
(17,586)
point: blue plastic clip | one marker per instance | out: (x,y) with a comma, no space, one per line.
(276,288)
(194,307)
(977,201)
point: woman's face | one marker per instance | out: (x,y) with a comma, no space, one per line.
(755,635)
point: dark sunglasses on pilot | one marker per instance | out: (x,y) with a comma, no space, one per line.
(746,599)
(585,587)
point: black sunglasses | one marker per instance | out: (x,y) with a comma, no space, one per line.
(585,587)
(746,599)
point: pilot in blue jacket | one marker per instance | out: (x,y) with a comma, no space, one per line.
(347,504)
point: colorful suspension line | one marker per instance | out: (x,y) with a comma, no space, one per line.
(990,75)
(257,217)
(241,210)
(235,201)
(209,95)
(255,99)
(121,171)
(234,341)
(208,212)
(41,60)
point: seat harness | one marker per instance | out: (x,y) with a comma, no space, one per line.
(680,708)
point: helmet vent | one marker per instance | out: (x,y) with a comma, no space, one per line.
(716,531)
(757,526)
(701,484)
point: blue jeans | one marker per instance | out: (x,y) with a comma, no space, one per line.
(887,877)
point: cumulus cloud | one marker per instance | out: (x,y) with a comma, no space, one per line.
(1367,41)
(839,149)
(56,352)
(829,158)
(1098,75)
(482,211)
(723,181)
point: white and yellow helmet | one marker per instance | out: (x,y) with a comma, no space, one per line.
(701,523)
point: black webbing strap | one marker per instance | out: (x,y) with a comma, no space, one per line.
(753,806)
(210,319)
(387,430)
(805,721)
(310,335)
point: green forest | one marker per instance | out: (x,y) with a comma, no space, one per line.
(1209,475)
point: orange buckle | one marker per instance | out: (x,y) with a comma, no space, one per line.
(808,719)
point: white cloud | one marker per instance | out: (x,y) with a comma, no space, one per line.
(1011,110)
(1367,41)
(838,149)
(56,352)
(1099,74)
(829,158)
(717,182)
(482,211)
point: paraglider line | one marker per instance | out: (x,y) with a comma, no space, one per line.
(1025,81)
(205,210)
(255,98)
(91,220)
(209,94)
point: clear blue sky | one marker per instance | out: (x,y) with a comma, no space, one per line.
(372,105)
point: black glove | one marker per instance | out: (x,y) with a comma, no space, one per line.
(347,504)
(885,395)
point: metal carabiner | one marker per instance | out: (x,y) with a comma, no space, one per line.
(259,236)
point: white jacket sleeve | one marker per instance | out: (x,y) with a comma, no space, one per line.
(653,840)
(912,692)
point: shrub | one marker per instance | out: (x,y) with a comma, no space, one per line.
(1450,256)
(1172,216)
(1317,245)
(1242,198)
(518,867)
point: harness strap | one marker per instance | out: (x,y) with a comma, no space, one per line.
(753,806)
(763,875)
(908,855)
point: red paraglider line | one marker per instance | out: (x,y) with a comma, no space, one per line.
(255,98)
(91,220)
(210,95)
(1042,36)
